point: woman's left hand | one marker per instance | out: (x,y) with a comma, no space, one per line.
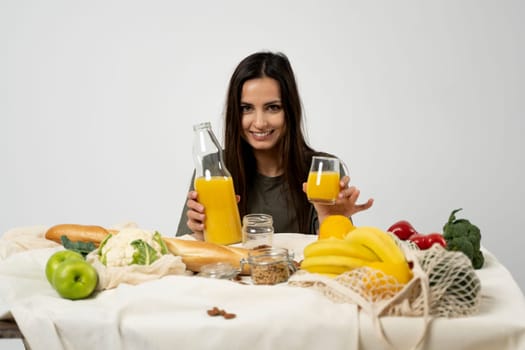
(345,203)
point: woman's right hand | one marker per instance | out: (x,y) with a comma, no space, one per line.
(195,215)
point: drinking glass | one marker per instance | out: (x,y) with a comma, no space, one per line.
(322,185)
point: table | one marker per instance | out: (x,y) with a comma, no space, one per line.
(172,313)
(9,329)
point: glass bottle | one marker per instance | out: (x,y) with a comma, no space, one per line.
(214,186)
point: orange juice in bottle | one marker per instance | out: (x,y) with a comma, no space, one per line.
(222,224)
(215,189)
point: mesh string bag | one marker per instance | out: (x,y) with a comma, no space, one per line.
(444,284)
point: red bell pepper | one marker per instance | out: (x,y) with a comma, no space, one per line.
(427,241)
(405,231)
(402,229)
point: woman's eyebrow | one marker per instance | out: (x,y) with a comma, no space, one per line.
(272,102)
(277,101)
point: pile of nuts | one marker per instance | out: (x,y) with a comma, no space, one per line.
(215,311)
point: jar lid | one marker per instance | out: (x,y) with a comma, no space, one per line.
(218,270)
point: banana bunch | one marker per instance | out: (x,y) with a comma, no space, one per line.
(363,246)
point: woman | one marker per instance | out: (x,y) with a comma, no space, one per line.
(266,152)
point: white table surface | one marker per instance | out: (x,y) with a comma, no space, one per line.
(171,313)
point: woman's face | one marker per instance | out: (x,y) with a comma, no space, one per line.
(263,121)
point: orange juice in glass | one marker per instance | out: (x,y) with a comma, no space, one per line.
(322,185)
(222,224)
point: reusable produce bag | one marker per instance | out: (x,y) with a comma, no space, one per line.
(444,285)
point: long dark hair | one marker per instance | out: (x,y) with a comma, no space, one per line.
(296,153)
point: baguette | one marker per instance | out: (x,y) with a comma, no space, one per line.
(83,233)
(194,254)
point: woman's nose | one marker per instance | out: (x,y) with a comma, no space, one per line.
(260,119)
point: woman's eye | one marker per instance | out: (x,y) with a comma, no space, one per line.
(275,108)
(245,108)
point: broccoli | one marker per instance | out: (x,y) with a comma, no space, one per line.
(461,244)
(461,235)
(474,236)
(83,248)
(478,260)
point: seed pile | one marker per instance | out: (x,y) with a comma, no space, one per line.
(270,273)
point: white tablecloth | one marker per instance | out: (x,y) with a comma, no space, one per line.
(171,313)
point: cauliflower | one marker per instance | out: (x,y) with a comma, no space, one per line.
(131,246)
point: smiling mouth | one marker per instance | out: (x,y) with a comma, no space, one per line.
(261,134)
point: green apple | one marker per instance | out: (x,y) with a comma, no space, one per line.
(75,279)
(57,258)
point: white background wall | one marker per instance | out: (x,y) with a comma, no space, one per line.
(423,99)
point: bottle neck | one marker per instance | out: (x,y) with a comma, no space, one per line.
(207,153)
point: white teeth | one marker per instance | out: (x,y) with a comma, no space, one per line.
(261,134)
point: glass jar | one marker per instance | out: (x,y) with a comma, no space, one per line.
(218,270)
(257,230)
(214,186)
(269,265)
